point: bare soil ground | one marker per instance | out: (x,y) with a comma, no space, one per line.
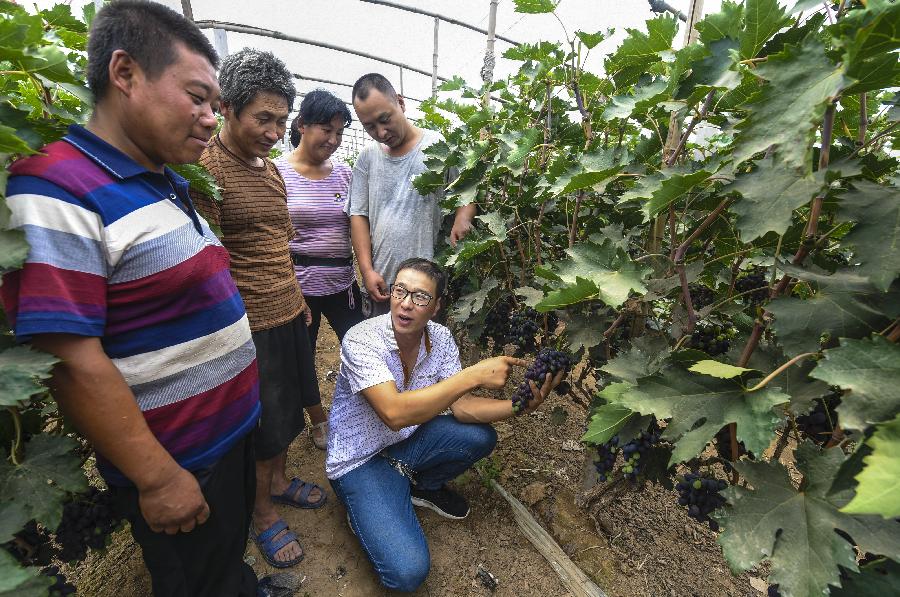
(634,541)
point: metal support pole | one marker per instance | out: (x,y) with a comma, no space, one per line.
(401,81)
(487,71)
(434,60)
(186,10)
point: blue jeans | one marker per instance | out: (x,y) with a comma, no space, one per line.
(377,495)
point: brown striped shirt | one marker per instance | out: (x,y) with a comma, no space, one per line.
(255,228)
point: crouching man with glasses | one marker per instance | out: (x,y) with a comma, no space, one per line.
(390,447)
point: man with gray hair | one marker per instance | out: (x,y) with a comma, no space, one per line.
(257,96)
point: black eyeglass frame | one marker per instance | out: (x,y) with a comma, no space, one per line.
(406,292)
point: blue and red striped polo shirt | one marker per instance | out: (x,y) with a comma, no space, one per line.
(118,252)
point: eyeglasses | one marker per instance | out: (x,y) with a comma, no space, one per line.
(420,299)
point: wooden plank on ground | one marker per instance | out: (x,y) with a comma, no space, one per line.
(571,575)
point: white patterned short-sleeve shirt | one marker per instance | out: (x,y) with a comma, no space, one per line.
(370,356)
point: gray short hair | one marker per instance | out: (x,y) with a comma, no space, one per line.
(250,71)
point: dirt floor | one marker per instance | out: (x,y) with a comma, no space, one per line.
(632,540)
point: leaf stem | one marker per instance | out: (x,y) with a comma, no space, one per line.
(863,120)
(16,447)
(781,370)
(612,328)
(573,228)
(682,249)
(687,133)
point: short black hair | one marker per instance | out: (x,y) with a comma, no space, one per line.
(366,83)
(251,71)
(430,269)
(148,31)
(319,107)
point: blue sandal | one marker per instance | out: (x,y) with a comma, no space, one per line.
(269,546)
(300,499)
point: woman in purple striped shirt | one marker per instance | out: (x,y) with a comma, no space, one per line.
(317,189)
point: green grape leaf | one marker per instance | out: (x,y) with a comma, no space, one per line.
(530,296)
(13,246)
(454,84)
(843,305)
(640,50)
(37,486)
(49,62)
(23,369)
(590,170)
(606,421)
(876,579)
(535,6)
(590,40)
(19,581)
(645,357)
(656,191)
(713,71)
(585,331)
(645,97)
(769,195)
(795,530)
(878,491)
(717,369)
(520,145)
(795,380)
(199,179)
(870,369)
(581,290)
(539,51)
(876,234)
(602,271)
(870,32)
(788,109)
(762,19)
(700,405)
(472,247)
(876,73)
(725,23)
(466,305)
(61,16)
(10,142)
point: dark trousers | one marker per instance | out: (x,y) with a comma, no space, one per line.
(343,310)
(208,561)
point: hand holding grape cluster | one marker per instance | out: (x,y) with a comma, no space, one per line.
(548,361)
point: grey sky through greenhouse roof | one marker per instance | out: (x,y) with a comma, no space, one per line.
(404,37)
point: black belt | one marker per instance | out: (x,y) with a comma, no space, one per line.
(306,261)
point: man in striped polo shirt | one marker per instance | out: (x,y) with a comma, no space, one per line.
(129,287)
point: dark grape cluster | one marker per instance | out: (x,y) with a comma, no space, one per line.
(60,585)
(701,496)
(547,361)
(753,280)
(31,546)
(701,296)
(818,424)
(712,339)
(523,328)
(87,521)
(605,461)
(634,450)
(496,325)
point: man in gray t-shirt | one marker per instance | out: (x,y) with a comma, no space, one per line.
(389,220)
